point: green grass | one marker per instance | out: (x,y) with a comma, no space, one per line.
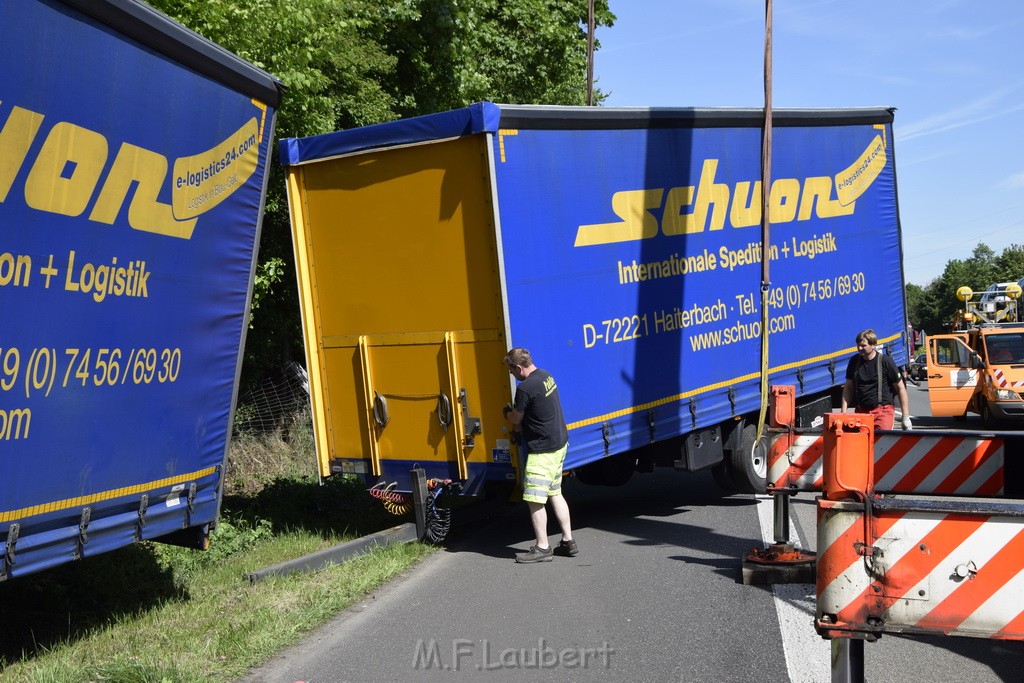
(153,612)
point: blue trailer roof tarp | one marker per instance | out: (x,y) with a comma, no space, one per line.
(487,117)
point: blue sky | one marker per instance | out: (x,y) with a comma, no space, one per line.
(953,69)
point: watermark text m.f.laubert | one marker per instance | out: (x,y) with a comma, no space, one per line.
(482,655)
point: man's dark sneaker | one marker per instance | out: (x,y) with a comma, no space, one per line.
(567,548)
(535,555)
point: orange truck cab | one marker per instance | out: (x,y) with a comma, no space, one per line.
(980,367)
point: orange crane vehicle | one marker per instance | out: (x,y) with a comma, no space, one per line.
(979,366)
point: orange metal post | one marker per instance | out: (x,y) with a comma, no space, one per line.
(849,460)
(780,562)
(783,406)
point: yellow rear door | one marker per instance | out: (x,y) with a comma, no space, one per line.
(402,310)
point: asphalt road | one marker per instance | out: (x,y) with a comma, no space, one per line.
(655,595)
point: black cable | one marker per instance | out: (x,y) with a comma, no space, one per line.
(439,519)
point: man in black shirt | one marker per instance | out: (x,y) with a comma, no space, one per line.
(872,380)
(538,411)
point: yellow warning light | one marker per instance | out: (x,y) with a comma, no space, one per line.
(1013,290)
(965,293)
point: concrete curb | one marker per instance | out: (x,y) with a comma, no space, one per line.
(403,533)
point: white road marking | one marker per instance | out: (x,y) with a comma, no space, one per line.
(808,655)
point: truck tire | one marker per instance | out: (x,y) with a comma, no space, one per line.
(748,464)
(614,470)
(618,469)
(985,411)
(589,475)
(723,477)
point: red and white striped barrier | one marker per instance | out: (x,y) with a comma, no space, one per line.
(919,571)
(921,463)
(951,566)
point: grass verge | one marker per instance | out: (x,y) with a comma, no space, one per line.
(152,612)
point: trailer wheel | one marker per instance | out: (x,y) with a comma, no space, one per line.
(614,470)
(589,475)
(619,469)
(748,464)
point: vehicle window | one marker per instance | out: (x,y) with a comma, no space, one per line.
(951,352)
(1005,348)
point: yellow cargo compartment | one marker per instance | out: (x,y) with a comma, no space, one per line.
(400,285)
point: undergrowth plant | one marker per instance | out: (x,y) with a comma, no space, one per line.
(162,613)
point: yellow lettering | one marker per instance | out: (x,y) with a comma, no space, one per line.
(782,202)
(15,269)
(818,193)
(15,424)
(710,195)
(674,221)
(15,138)
(145,212)
(64,174)
(858,176)
(637,222)
(746,205)
(69,284)
(710,192)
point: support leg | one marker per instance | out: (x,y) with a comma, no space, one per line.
(847,660)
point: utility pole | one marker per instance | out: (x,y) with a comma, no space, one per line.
(590,53)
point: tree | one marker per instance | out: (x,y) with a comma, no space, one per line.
(935,305)
(531,51)
(915,298)
(348,63)
(451,53)
(1010,264)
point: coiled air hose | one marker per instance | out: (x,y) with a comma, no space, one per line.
(438,505)
(395,502)
(439,518)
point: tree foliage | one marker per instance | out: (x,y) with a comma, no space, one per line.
(531,51)
(347,63)
(932,307)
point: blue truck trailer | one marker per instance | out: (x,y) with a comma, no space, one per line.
(621,246)
(133,171)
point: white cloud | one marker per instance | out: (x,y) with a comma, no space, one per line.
(905,161)
(979,110)
(1014,182)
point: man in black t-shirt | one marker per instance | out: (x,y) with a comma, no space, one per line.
(872,381)
(538,411)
